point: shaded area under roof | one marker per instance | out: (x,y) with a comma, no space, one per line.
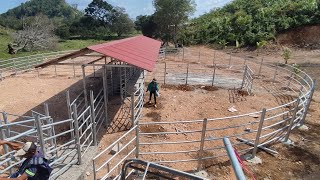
(139,51)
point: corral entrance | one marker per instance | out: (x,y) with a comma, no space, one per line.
(175,135)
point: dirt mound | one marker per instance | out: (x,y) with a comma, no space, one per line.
(306,37)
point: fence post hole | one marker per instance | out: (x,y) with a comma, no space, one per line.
(294,114)
(93,119)
(260,68)
(40,134)
(214,73)
(306,108)
(244,76)
(76,129)
(256,142)
(105,94)
(5,147)
(203,136)
(275,74)
(165,73)
(187,74)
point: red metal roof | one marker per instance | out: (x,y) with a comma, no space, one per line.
(139,51)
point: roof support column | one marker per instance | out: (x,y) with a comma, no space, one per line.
(84,85)
(105,93)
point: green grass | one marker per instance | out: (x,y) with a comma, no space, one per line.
(63,45)
(77,44)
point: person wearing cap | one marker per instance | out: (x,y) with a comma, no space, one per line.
(153,88)
(34,167)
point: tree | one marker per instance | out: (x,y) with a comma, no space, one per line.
(169,14)
(121,23)
(146,25)
(37,33)
(286,54)
(101,11)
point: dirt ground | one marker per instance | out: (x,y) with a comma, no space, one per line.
(19,95)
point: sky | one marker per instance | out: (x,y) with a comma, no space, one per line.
(133,7)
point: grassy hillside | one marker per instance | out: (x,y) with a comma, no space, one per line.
(246,22)
(5,38)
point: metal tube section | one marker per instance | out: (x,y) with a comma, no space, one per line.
(308,102)
(76,129)
(203,136)
(244,76)
(105,94)
(256,142)
(234,160)
(92,118)
(40,134)
(294,114)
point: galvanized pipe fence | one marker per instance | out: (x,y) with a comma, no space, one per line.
(19,65)
(249,132)
(67,148)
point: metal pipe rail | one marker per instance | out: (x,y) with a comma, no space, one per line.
(26,63)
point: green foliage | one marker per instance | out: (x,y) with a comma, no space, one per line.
(169,15)
(146,25)
(252,21)
(286,54)
(101,20)
(54,9)
(121,23)
(296,69)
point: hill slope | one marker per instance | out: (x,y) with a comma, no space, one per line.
(252,21)
(54,9)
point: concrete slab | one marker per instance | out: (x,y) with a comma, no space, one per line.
(80,172)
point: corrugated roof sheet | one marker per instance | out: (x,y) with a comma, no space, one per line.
(139,51)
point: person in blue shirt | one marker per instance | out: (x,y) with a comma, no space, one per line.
(153,88)
(34,167)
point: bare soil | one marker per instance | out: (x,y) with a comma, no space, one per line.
(19,95)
